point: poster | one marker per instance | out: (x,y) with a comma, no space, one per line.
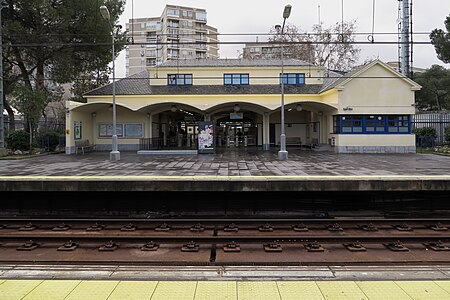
(77,130)
(205,137)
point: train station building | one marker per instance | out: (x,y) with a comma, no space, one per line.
(367,110)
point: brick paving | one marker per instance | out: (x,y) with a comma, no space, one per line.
(229,163)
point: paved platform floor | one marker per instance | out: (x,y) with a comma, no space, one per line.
(229,163)
(252,290)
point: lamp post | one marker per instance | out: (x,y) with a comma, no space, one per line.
(114,154)
(283,154)
(2,124)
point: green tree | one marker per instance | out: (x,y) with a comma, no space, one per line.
(30,103)
(55,41)
(441,41)
(435,92)
(89,81)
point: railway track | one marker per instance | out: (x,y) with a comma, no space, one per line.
(226,241)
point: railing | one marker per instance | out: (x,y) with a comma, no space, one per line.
(168,143)
(235,141)
(425,142)
(438,121)
(191,142)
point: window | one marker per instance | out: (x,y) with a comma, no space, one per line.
(235,79)
(126,130)
(398,124)
(173,13)
(351,124)
(375,124)
(187,14)
(179,79)
(201,16)
(372,124)
(293,78)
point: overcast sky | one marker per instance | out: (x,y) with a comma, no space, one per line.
(258,16)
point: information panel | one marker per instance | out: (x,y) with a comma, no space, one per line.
(205,137)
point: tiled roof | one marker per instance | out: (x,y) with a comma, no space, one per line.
(136,84)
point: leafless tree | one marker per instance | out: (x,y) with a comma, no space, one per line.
(332,47)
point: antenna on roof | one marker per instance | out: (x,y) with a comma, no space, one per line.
(318,8)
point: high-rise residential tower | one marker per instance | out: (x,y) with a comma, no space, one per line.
(180,33)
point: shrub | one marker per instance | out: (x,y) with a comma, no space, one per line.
(18,140)
(425,131)
(49,140)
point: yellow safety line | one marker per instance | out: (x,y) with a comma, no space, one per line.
(298,177)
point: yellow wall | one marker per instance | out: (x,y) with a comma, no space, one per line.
(375,140)
(123,116)
(214,76)
(388,94)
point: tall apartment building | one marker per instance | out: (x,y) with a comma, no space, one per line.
(180,33)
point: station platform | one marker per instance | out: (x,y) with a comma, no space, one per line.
(228,171)
(261,290)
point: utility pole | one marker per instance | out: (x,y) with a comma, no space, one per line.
(404,63)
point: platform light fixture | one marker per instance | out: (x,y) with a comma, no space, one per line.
(283,154)
(114,154)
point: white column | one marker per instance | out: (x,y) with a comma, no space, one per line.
(266,135)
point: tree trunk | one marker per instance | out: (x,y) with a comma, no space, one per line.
(438,103)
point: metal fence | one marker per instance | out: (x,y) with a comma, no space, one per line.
(45,125)
(438,121)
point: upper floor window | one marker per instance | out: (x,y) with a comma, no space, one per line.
(201,16)
(173,12)
(187,13)
(235,79)
(293,78)
(179,79)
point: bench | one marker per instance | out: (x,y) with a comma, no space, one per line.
(293,141)
(84,146)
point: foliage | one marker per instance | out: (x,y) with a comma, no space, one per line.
(89,81)
(31,104)
(441,41)
(18,140)
(447,134)
(425,131)
(435,92)
(57,40)
(332,47)
(50,140)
